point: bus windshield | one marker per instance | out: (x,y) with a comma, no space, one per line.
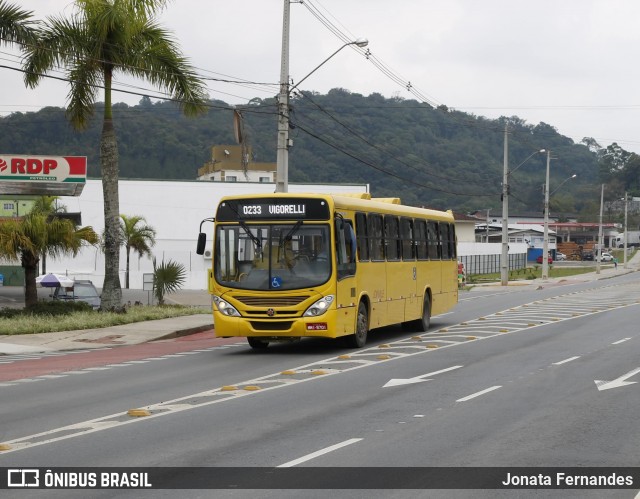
(263,257)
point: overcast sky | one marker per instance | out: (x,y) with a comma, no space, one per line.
(573,64)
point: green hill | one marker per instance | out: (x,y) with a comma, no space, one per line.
(434,157)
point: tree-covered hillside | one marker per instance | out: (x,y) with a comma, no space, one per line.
(433,157)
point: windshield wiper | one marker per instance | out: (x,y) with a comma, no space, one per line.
(251,235)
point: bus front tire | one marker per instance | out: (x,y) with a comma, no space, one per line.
(359,338)
(257,343)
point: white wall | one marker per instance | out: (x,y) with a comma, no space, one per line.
(467,249)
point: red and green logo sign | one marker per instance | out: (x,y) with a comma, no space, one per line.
(43,168)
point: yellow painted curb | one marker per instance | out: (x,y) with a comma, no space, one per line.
(251,388)
(4,447)
(319,372)
(472,338)
(344,356)
(432,346)
(138,413)
(383,357)
(384,345)
(288,373)
(416,338)
(504,330)
(443,330)
(228,388)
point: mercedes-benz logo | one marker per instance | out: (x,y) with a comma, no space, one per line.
(271,312)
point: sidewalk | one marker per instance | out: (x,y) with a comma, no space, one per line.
(607,271)
(127,334)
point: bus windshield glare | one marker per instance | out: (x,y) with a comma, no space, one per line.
(268,257)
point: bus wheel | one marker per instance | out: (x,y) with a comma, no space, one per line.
(359,338)
(257,343)
(425,322)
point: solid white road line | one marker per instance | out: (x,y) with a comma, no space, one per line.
(477,394)
(321,452)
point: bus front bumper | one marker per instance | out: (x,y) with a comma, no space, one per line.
(298,327)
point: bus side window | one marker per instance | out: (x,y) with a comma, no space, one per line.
(422,249)
(375,237)
(391,237)
(433,241)
(345,248)
(444,241)
(452,241)
(362,237)
(406,234)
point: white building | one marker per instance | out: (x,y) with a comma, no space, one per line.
(174,209)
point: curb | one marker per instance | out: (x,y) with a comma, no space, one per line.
(185,332)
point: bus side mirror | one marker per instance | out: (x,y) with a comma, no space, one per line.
(202,242)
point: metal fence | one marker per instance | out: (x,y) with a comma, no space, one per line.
(490,264)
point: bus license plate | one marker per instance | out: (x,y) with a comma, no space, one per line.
(317,326)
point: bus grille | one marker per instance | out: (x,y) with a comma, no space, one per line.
(271,301)
(271,325)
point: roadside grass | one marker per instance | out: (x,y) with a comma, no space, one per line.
(534,272)
(25,322)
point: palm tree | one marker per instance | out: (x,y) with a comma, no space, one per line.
(15,25)
(50,206)
(101,38)
(167,278)
(137,236)
(28,238)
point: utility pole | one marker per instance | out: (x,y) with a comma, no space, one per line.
(282,156)
(626,205)
(545,242)
(599,247)
(504,259)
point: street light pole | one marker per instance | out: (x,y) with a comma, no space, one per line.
(624,248)
(545,242)
(282,153)
(599,245)
(504,260)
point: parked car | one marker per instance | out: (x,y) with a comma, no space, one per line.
(606,257)
(539,259)
(81,291)
(588,256)
(560,256)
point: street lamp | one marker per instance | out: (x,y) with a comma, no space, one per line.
(504,260)
(282,156)
(545,243)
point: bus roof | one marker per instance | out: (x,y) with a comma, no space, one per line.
(361,201)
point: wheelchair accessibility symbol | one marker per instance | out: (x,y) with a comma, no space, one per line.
(276,282)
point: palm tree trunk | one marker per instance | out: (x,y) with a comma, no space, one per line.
(127,270)
(30,266)
(111,290)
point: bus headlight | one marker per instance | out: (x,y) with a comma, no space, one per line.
(224,307)
(319,307)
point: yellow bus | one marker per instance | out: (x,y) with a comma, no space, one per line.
(288,266)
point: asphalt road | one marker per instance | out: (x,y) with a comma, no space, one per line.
(514,377)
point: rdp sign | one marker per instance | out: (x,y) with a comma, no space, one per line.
(43,168)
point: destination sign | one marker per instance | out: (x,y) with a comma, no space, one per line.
(277,209)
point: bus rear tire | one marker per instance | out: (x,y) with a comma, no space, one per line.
(359,338)
(424,323)
(257,343)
